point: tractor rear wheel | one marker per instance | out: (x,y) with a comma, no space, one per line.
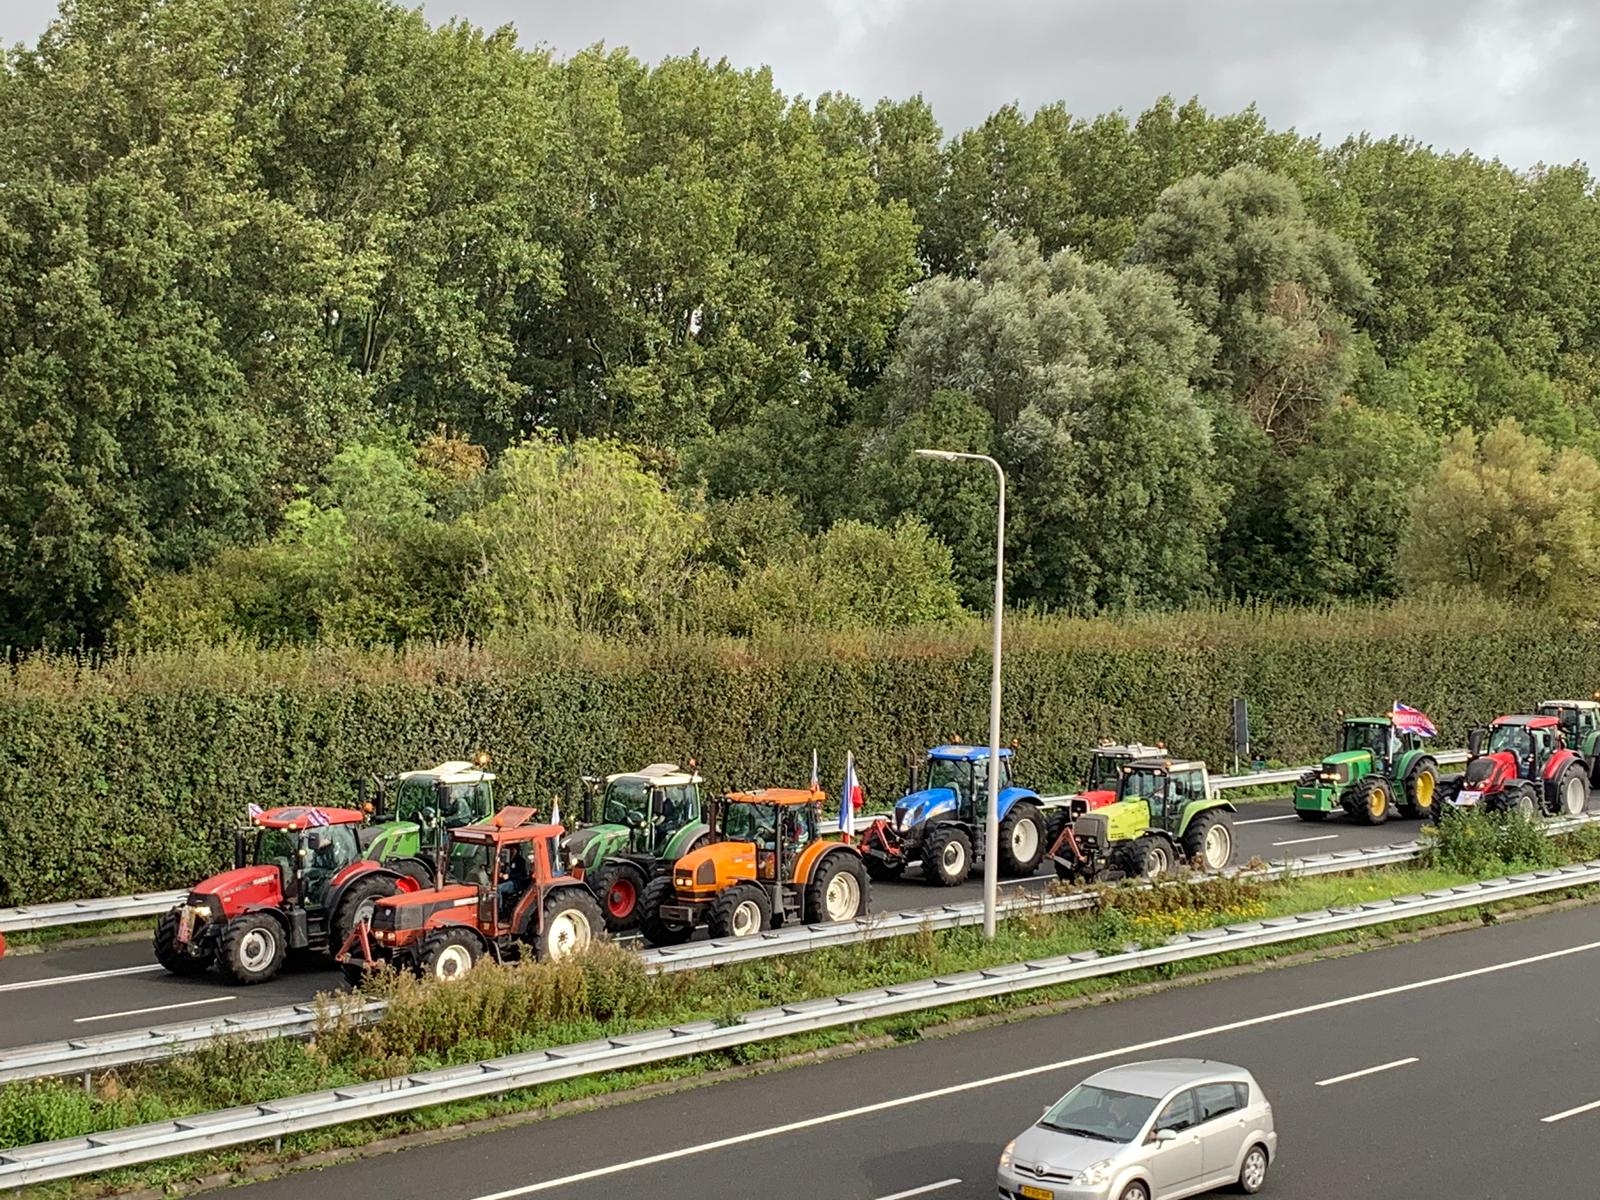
(1021,841)
(656,931)
(620,886)
(1571,792)
(1421,790)
(838,891)
(882,871)
(449,954)
(572,923)
(1370,801)
(946,856)
(1208,842)
(740,912)
(173,956)
(253,948)
(357,904)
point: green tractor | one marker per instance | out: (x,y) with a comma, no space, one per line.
(1165,813)
(648,819)
(1580,728)
(409,815)
(1377,768)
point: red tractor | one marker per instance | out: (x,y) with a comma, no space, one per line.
(504,893)
(1106,761)
(302,885)
(1522,764)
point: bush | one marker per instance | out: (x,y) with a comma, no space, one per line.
(1474,842)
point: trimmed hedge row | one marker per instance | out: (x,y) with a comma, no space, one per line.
(128,773)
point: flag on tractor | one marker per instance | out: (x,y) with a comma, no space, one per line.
(316,817)
(555,810)
(849,796)
(816,780)
(1412,720)
(252,811)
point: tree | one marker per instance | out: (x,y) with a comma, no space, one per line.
(1510,518)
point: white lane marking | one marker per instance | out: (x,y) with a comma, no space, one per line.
(24,984)
(1571,1112)
(922,1191)
(1264,820)
(139,1012)
(1388,1066)
(1327,837)
(835,1118)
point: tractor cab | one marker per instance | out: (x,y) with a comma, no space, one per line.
(1523,764)
(1579,721)
(421,807)
(651,806)
(1105,771)
(1375,736)
(1525,744)
(964,772)
(779,822)
(307,847)
(1166,787)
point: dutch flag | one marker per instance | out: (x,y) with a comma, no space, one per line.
(849,796)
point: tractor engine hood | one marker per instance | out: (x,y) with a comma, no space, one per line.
(242,885)
(1098,798)
(411,910)
(917,808)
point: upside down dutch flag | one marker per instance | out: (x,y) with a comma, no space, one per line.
(1412,719)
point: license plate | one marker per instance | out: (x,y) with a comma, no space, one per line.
(1468,797)
(185,924)
(1036,1193)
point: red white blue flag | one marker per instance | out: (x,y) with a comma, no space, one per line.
(849,796)
(252,811)
(816,780)
(1412,720)
(316,817)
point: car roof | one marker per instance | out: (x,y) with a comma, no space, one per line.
(1530,722)
(659,775)
(451,772)
(961,752)
(1162,1075)
(777,796)
(299,817)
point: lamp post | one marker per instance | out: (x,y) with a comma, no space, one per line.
(991,821)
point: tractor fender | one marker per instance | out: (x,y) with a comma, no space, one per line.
(1408,761)
(811,858)
(683,839)
(1557,764)
(1011,795)
(592,846)
(1194,808)
(363,869)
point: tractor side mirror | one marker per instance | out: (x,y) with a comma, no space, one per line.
(1475,740)
(635,817)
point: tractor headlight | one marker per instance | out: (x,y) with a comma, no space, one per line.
(1095,1173)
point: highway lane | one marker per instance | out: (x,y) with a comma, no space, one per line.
(1427,1071)
(80,990)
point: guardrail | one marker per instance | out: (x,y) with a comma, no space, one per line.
(88,1054)
(149,904)
(71,1157)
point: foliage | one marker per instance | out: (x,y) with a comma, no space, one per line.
(1474,842)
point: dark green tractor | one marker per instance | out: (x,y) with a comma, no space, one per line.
(1377,770)
(1580,729)
(635,826)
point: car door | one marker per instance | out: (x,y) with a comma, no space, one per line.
(1221,1129)
(1177,1164)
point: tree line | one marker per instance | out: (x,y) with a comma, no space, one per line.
(317,321)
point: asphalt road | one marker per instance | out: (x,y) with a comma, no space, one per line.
(1444,1070)
(82,990)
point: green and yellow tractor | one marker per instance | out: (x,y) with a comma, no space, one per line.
(1378,769)
(1165,813)
(635,826)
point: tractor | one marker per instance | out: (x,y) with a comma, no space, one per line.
(648,819)
(941,825)
(503,893)
(1520,764)
(1580,727)
(772,864)
(1106,761)
(332,865)
(1165,813)
(1376,768)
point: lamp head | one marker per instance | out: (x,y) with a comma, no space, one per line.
(943,455)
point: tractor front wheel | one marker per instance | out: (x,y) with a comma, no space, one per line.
(656,931)
(1519,798)
(1571,792)
(1370,801)
(449,954)
(572,923)
(946,857)
(1208,842)
(1147,858)
(357,904)
(253,948)
(838,891)
(620,887)
(1021,841)
(1421,791)
(173,956)
(740,912)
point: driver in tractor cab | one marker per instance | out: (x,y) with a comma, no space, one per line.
(324,860)
(514,876)
(795,835)
(1518,741)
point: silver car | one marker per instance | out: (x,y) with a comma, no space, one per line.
(1146,1131)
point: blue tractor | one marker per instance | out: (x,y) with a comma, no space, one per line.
(940,823)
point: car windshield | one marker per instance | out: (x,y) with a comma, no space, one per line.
(624,796)
(1102,1114)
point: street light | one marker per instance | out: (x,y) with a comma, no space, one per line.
(991,821)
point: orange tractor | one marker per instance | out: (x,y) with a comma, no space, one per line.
(503,892)
(773,864)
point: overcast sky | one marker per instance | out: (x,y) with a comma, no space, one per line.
(1513,78)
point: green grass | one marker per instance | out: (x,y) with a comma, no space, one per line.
(530,1006)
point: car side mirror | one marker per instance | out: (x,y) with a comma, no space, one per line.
(1166,1135)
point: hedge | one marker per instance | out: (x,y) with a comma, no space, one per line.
(128,772)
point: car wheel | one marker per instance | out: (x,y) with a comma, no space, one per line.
(1253,1175)
(1135,1191)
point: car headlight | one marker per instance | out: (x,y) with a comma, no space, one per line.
(1095,1173)
(1005,1155)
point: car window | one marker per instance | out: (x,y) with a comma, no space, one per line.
(1180,1113)
(1218,1099)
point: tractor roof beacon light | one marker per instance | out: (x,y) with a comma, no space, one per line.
(991,823)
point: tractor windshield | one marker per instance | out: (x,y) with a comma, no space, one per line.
(750,823)
(1515,739)
(331,850)
(1104,771)
(675,807)
(624,796)
(1359,735)
(1571,720)
(949,773)
(469,864)
(277,848)
(423,801)
(1141,783)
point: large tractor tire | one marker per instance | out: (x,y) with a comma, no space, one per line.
(1519,797)
(1370,802)
(655,930)
(1022,843)
(1208,842)
(448,954)
(1569,792)
(253,948)
(882,871)
(1149,857)
(742,911)
(1421,790)
(173,956)
(572,923)
(946,857)
(620,885)
(838,891)
(357,904)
